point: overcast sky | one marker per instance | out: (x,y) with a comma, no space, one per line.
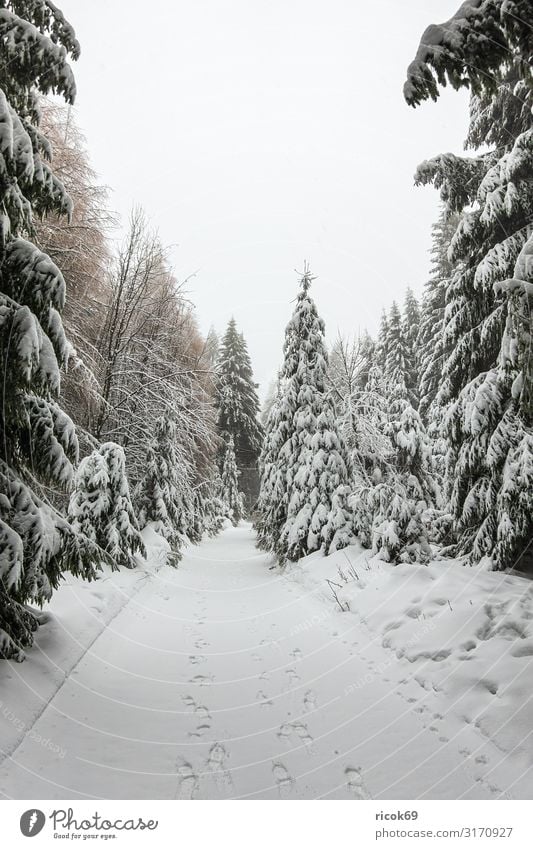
(259,133)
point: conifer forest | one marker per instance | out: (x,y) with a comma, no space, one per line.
(290,566)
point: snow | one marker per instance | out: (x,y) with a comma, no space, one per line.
(224,679)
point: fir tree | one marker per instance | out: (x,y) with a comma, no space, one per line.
(238,407)
(38,440)
(100,506)
(231,494)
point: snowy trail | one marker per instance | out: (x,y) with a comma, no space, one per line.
(222,679)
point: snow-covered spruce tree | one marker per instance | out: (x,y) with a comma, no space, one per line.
(410,331)
(100,506)
(211,505)
(313,458)
(494,194)
(431,352)
(231,494)
(271,508)
(400,366)
(39,445)
(401,531)
(238,408)
(394,486)
(158,495)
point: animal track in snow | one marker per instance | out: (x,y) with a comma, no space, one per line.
(355,783)
(196,659)
(296,654)
(202,712)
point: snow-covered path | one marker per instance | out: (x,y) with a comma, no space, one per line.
(222,679)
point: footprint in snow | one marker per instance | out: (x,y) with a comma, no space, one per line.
(263,699)
(355,783)
(296,654)
(196,659)
(282,778)
(201,730)
(216,763)
(292,676)
(187,780)
(201,680)
(309,701)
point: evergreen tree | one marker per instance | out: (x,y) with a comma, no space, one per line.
(100,506)
(304,462)
(159,494)
(231,494)
(238,407)
(382,343)
(487,329)
(410,331)
(271,508)
(431,351)
(399,366)
(39,445)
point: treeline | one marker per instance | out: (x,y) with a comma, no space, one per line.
(113,414)
(426,435)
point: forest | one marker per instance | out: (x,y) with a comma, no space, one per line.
(121,420)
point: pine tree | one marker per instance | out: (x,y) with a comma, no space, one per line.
(100,506)
(231,494)
(238,407)
(159,494)
(39,445)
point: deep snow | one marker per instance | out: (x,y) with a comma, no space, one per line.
(224,679)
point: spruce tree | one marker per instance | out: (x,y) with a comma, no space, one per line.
(238,407)
(231,494)
(304,461)
(487,332)
(410,331)
(39,445)
(100,506)
(159,494)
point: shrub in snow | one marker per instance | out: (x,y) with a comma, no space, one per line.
(100,506)
(39,445)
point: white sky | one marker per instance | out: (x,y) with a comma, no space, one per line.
(259,133)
